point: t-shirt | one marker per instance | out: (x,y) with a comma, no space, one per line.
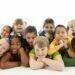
(27,47)
(52,56)
(62,51)
(14,57)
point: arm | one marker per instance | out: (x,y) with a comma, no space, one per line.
(24,57)
(5,63)
(34,64)
(56,63)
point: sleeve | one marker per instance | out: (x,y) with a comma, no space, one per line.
(52,49)
(32,53)
(54,55)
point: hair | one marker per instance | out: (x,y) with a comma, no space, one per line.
(48,20)
(30,29)
(60,25)
(41,41)
(19,38)
(18,21)
(9,27)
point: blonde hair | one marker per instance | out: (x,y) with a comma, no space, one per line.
(70,23)
(41,41)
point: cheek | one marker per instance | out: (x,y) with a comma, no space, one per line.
(45,52)
(57,36)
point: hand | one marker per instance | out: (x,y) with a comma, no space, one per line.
(61,42)
(40,59)
(65,43)
(48,35)
(21,50)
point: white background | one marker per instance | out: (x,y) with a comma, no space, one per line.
(35,12)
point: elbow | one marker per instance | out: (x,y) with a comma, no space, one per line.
(2,66)
(33,67)
(61,67)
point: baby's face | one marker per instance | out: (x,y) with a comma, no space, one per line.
(15,45)
(5,32)
(48,28)
(4,46)
(60,33)
(18,28)
(40,52)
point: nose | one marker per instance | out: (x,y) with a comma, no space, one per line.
(40,53)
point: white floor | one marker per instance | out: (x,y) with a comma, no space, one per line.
(28,71)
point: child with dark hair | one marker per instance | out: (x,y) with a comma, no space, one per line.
(16,56)
(6,30)
(30,34)
(48,29)
(62,43)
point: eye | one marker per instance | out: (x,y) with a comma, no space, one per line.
(0,45)
(28,37)
(51,27)
(33,37)
(46,27)
(4,48)
(42,49)
(63,32)
(37,50)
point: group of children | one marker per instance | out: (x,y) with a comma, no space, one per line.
(53,47)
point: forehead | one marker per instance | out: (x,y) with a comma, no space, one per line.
(38,47)
(48,24)
(31,34)
(17,25)
(60,29)
(6,28)
(15,40)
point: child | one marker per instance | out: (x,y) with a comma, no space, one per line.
(5,31)
(4,46)
(48,29)
(61,44)
(30,34)
(17,27)
(16,55)
(40,58)
(71,36)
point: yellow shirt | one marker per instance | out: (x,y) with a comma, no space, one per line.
(53,47)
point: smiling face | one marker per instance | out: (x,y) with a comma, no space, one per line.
(30,37)
(5,32)
(18,28)
(15,45)
(41,52)
(60,33)
(48,27)
(72,27)
(4,46)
